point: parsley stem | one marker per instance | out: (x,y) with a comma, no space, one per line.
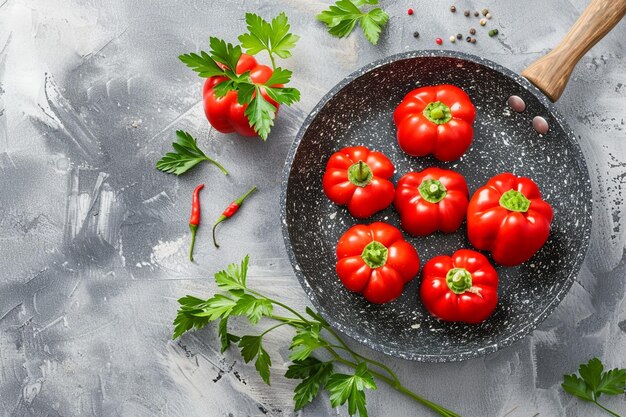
(398,387)
(272,59)
(340,340)
(606,409)
(372,361)
(272,328)
(286,320)
(217,164)
(278,303)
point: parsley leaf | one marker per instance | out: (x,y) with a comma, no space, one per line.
(305,342)
(252,307)
(593,382)
(613,382)
(225,53)
(261,114)
(577,387)
(185,318)
(186,156)
(314,375)
(342,17)
(217,307)
(351,388)
(233,277)
(592,373)
(263,36)
(203,64)
(252,347)
(225,337)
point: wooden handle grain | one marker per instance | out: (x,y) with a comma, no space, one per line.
(551,72)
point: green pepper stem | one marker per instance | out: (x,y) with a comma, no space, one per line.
(515,201)
(432,191)
(375,254)
(194,229)
(437,112)
(459,280)
(218,221)
(360,174)
(246,195)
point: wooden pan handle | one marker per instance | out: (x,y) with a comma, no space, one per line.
(551,72)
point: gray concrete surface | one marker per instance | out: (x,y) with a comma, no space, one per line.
(93,239)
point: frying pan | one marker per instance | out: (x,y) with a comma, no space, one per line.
(358,111)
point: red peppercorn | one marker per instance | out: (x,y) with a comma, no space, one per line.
(439,41)
(409,12)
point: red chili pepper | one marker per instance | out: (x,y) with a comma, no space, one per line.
(230,211)
(194,220)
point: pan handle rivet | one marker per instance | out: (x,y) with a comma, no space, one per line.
(540,125)
(517,103)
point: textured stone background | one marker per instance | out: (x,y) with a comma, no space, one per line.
(93,239)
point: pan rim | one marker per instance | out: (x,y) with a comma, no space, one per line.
(498,344)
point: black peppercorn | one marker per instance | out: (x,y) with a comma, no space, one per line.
(459,36)
(485,11)
(472,31)
(466,13)
(453,9)
(469,39)
(416,34)
(476,14)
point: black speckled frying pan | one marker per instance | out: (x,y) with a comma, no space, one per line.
(359,111)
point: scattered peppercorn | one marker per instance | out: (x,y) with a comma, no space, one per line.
(485,11)
(488,16)
(439,41)
(466,13)
(473,40)
(469,39)
(459,36)
(452,39)
(416,34)
(476,14)
(483,22)
(493,32)
(409,12)
(453,9)
(472,31)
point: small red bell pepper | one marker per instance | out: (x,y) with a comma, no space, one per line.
(359,178)
(225,114)
(376,261)
(462,288)
(432,200)
(435,120)
(509,218)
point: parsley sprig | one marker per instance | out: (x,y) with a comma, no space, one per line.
(342,17)
(313,335)
(222,59)
(593,382)
(186,155)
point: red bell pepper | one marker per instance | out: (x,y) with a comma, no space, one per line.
(435,120)
(432,200)
(376,261)
(225,114)
(509,218)
(462,288)
(359,178)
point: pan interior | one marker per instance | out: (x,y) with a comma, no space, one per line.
(359,112)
